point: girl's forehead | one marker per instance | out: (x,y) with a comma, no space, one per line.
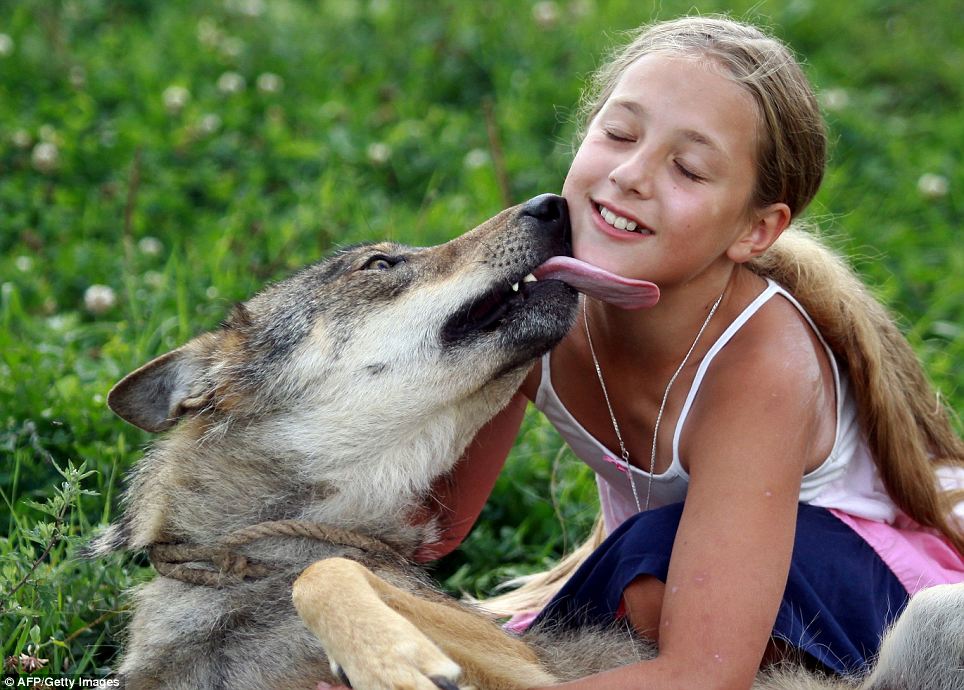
(694,93)
(665,75)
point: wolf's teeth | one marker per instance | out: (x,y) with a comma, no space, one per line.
(529,279)
(515,287)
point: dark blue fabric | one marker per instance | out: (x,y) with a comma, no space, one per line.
(839,600)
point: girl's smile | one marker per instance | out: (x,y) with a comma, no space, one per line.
(620,224)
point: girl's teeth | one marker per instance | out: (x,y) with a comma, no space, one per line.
(617,222)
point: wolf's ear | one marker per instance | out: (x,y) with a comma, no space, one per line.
(155,396)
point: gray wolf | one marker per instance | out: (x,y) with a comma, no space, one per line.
(304,433)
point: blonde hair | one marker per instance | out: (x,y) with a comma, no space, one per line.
(906,424)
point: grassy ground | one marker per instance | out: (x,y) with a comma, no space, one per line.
(180,154)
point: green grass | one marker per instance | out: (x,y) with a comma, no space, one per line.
(379,129)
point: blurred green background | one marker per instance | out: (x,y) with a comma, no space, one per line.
(161,160)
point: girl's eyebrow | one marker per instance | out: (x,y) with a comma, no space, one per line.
(639,110)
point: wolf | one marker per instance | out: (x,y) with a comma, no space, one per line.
(302,437)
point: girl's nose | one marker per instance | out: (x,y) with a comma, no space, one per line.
(634,175)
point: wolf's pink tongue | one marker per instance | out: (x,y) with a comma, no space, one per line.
(625,293)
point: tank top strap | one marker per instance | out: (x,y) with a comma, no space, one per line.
(752,308)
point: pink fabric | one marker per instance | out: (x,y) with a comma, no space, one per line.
(521,621)
(918,556)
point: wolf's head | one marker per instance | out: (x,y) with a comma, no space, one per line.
(342,392)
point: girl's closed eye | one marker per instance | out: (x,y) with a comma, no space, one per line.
(688,173)
(617,134)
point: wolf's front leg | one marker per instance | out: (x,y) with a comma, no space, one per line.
(367,643)
(378,633)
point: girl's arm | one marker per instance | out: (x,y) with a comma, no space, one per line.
(751,438)
(458,498)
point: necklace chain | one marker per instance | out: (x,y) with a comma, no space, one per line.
(662,405)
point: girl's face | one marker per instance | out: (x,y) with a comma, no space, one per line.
(660,186)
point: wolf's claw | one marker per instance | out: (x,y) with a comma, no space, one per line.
(444,683)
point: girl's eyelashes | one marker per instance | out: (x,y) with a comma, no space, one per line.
(687,173)
(616,135)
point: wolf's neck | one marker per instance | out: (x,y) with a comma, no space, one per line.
(199,491)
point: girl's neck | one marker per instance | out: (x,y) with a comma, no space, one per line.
(661,336)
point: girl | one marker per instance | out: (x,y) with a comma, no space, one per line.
(768,453)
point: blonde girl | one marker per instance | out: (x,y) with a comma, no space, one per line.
(772,464)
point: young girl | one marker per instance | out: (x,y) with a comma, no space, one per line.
(768,453)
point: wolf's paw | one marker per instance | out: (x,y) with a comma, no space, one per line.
(408,665)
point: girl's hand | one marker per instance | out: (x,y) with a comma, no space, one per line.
(327,686)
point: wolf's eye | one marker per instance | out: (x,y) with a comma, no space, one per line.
(380,262)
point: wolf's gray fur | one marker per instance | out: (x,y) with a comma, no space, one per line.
(338,396)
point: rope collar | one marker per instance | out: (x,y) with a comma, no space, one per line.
(229,567)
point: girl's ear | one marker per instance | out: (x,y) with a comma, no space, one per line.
(766,225)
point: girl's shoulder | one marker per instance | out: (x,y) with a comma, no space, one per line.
(778,333)
(777,366)
(776,343)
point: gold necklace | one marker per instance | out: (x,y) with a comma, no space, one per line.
(612,416)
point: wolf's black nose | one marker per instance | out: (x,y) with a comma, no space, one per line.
(548,208)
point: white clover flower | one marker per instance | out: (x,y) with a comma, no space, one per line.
(476,158)
(580,8)
(546,14)
(21,139)
(154,279)
(23,263)
(78,77)
(6,45)
(57,322)
(175,98)
(835,99)
(45,157)
(99,299)
(379,153)
(231,46)
(379,8)
(270,83)
(151,246)
(210,123)
(230,83)
(212,292)
(208,33)
(249,8)
(932,186)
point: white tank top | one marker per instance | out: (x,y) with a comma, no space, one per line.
(847,479)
